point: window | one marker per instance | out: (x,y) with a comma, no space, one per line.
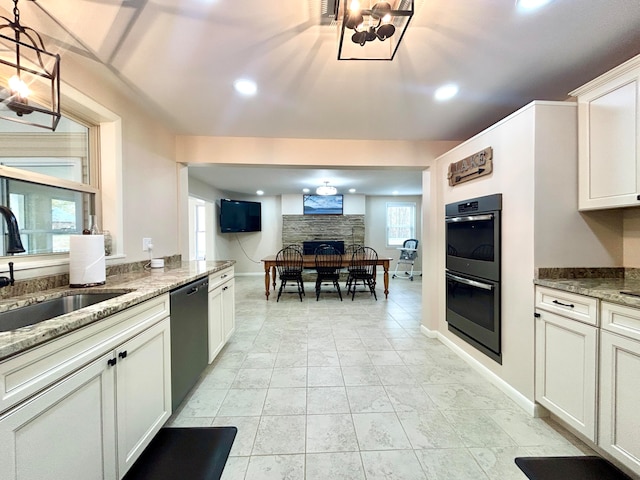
(201,232)
(49,181)
(401,222)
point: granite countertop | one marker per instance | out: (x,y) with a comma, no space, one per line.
(603,288)
(138,287)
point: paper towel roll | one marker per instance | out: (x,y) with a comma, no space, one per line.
(86,261)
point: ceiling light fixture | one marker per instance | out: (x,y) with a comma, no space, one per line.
(32,75)
(326,189)
(531,4)
(370,29)
(245,87)
(446,92)
(305,190)
(259,192)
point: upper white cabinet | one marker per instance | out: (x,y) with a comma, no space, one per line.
(609,139)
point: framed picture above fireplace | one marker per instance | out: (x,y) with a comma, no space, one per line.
(322,204)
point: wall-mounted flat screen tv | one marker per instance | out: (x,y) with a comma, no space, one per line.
(240,216)
(322,204)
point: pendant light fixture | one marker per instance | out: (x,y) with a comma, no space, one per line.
(326,189)
(29,76)
(371,29)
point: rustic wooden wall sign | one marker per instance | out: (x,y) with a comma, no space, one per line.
(477,165)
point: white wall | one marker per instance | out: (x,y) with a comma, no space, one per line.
(149,186)
(631,243)
(535,169)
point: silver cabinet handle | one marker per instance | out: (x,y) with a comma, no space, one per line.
(470,218)
(472,283)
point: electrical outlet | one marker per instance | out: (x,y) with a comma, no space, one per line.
(145,244)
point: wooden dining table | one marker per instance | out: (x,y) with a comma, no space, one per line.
(309,261)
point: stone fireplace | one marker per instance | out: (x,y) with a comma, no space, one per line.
(297,229)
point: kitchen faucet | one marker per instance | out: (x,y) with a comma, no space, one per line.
(14,242)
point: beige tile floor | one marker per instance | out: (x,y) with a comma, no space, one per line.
(353,390)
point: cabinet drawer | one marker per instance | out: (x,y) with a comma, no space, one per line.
(571,305)
(218,278)
(620,319)
(32,371)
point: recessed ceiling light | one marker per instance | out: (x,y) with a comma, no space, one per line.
(245,87)
(395,192)
(531,4)
(305,190)
(446,92)
(259,192)
(352,190)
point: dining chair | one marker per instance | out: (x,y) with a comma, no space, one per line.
(348,253)
(328,263)
(289,266)
(363,268)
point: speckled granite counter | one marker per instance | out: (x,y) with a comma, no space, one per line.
(138,287)
(603,288)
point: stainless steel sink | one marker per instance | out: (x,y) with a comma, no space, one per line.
(38,312)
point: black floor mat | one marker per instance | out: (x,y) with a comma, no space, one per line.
(565,468)
(197,453)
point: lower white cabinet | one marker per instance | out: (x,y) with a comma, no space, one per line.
(567,370)
(96,421)
(222,316)
(620,398)
(143,391)
(66,432)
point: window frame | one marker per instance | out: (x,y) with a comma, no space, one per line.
(107,141)
(412,226)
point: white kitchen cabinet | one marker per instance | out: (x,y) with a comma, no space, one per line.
(609,139)
(143,391)
(619,384)
(95,421)
(216,333)
(66,432)
(221,310)
(228,309)
(567,362)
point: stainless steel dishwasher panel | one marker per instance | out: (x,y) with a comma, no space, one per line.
(189,337)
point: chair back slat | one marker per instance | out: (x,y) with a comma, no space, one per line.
(289,261)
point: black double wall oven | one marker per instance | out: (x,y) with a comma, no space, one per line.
(473,232)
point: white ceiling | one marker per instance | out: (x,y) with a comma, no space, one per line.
(182,56)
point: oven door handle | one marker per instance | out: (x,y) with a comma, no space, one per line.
(469,218)
(471,283)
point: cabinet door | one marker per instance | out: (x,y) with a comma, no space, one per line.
(143,386)
(65,432)
(228,309)
(620,398)
(566,370)
(609,143)
(216,335)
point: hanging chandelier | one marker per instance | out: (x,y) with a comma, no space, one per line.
(326,189)
(30,76)
(370,29)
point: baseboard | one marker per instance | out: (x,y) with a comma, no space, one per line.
(523,402)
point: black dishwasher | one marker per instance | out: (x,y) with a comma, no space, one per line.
(189,337)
